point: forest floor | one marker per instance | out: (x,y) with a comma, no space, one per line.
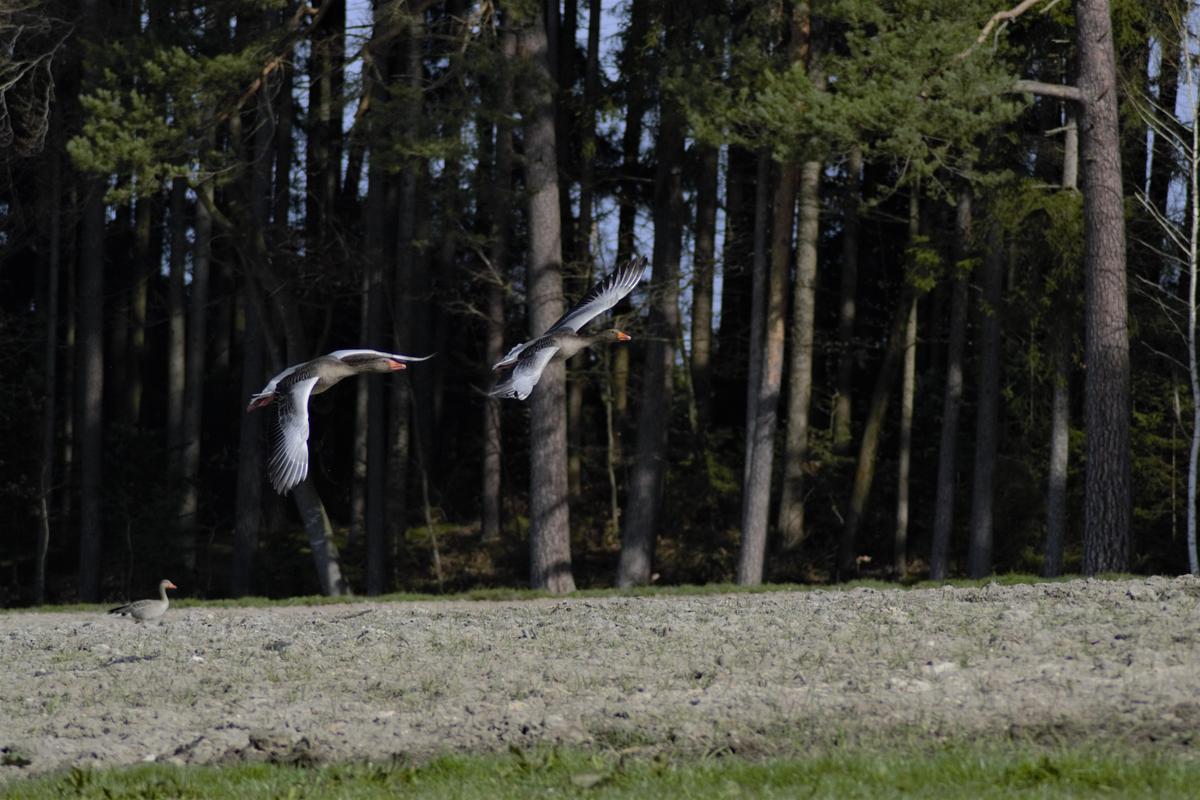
(1114,663)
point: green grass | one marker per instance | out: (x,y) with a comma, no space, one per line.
(510,594)
(946,773)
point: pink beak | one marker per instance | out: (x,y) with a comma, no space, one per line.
(260,402)
(623,337)
(396,366)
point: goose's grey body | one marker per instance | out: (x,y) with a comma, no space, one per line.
(562,340)
(289,392)
(147,610)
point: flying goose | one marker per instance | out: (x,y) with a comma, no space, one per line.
(563,340)
(290,390)
(147,610)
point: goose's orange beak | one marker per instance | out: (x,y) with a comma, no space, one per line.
(396,366)
(260,402)
(171,585)
(623,337)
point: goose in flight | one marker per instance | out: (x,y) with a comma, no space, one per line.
(563,340)
(290,390)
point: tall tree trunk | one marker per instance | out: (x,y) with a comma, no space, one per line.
(91,389)
(1108,496)
(49,309)
(908,391)
(1056,478)
(756,497)
(549,514)
(864,473)
(176,330)
(843,401)
(654,416)
(500,219)
(943,520)
(979,553)
(704,266)
(791,503)
(759,280)
(633,72)
(147,260)
(248,509)
(195,369)
(325,127)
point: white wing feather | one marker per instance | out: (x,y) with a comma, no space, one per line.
(289,461)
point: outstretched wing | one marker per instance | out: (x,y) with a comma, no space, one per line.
(289,460)
(603,296)
(528,370)
(351,354)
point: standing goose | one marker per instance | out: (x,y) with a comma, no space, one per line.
(563,340)
(147,610)
(290,390)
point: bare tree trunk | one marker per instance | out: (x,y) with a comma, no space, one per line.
(864,474)
(325,126)
(758,307)
(549,515)
(756,498)
(1108,504)
(91,389)
(908,391)
(633,73)
(500,218)
(842,404)
(147,260)
(702,285)
(49,309)
(176,329)
(979,553)
(943,520)
(791,503)
(248,512)
(654,416)
(1056,480)
(195,378)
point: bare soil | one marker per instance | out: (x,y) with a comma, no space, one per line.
(775,673)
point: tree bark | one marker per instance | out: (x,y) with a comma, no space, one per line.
(638,536)
(1108,494)
(864,475)
(1056,479)
(756,497)
(549,523)
(943,520)
(91,390)
(248,509)
(843,402)
(979,553)
(176,331)
(633,73)
(49,309)
(195,370)
(908,390)
(704,267)
(500,219)
(759,280)
(791,502)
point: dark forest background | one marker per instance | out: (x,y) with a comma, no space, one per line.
(860,350)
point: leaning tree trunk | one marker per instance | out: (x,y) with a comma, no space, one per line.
(549,513)
(864,474)
(979,552)
(1108,494)
(943,519)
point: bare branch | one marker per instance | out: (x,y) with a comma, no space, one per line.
(997,18)
(1057,90)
